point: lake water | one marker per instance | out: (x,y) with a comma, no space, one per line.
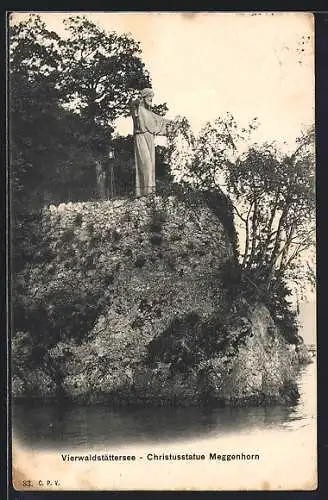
(48,426)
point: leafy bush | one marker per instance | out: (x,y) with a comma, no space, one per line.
(280,309)
(252,288)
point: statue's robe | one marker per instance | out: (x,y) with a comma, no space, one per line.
(146,125)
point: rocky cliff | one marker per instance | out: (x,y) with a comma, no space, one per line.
(133,302)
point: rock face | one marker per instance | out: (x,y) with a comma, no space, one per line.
(130,302)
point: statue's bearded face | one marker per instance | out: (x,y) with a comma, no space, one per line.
(148,100)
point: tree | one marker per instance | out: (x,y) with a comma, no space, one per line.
(164,177)
(124,165)
(65,96)
(33,100)
(100,71)
(272,195)
(48,154)
(274,198)
(34,50)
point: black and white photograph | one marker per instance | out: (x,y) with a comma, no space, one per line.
(162,251)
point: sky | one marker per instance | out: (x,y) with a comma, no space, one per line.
(205,64)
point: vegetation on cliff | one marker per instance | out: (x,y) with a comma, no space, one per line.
(133,301)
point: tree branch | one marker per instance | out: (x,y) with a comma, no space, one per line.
(245,256)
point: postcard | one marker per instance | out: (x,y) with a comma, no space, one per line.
(162,198)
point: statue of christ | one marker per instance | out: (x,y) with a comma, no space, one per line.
(146,124)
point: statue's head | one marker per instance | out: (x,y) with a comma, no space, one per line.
(147,96)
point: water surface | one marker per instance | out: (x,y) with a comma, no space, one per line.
(51,426)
